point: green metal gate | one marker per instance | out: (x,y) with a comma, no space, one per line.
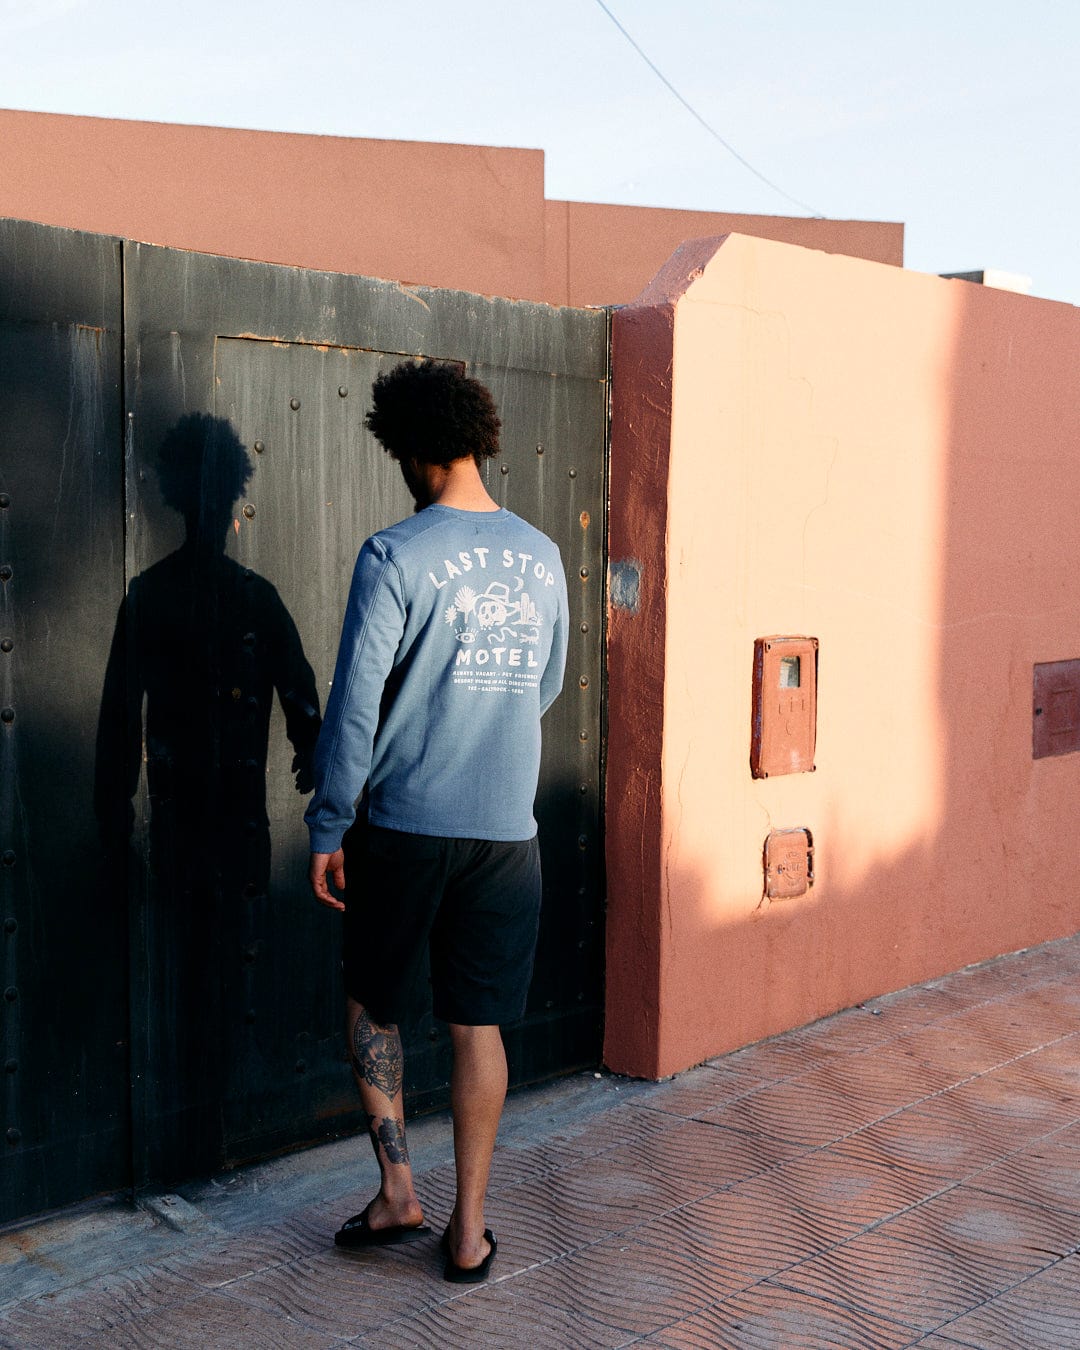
(219,569)
(62,905)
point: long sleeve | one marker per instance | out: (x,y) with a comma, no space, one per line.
(551,681)
(371,634)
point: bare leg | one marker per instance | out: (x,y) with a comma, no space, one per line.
(378,1066)
(477,1093)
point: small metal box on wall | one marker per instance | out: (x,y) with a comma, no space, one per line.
(1055,727)
(789,863)
(784,728)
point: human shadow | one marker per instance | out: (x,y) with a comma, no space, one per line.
(200,647)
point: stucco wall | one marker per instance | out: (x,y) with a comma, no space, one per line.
(604,255)
(467,217)
(817,445)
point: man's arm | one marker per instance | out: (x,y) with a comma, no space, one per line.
(371,634)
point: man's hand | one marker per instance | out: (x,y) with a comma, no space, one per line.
(323,865)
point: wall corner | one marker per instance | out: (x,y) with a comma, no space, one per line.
(642,358)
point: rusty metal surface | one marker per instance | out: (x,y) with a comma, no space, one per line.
(237,993)
(784,711)
(63,936)
(1055,723)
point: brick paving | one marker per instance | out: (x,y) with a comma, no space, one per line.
(906,1173)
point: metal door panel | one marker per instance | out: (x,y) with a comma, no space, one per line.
(62,902)
(551,472)
(244,342)
(184,732)
(320,487)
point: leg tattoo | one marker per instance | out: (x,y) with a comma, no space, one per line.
(391,1135)
(392,1138)
(376,1055)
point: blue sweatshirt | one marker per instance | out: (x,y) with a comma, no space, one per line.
(453,646)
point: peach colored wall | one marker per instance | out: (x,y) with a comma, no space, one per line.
(467,217)
(604,255)
(810,444)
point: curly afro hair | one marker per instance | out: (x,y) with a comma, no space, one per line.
(433,412)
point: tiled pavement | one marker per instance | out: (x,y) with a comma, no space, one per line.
(906,1173)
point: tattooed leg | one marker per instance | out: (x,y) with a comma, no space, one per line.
(378,1066)
(390,1136)
(376,1054)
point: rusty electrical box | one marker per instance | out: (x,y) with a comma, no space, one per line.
(789,863)
(1055,723)
(784,726)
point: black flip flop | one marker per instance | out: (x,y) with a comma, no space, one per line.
(469,1274)
(358,1232)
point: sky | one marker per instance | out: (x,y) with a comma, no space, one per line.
(957,118)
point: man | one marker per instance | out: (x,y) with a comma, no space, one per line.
(453,647)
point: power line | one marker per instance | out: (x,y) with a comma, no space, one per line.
(694,113)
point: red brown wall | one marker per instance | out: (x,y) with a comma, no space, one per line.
(467,217)
(816,445)
(604,255)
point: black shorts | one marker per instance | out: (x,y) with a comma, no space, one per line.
(474,903)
